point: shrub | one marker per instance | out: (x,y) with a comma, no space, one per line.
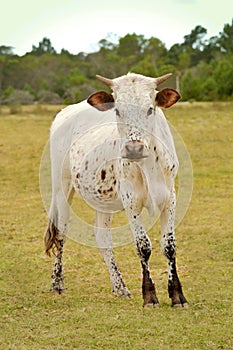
(49,97)
(190,88)
(17,97)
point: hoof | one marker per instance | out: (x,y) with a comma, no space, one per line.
(57,291)
(150,305)
(150,300)
(177,306)
(179,301)
(180,306)
(126,295)
(124,292)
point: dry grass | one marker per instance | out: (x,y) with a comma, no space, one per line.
(88,316)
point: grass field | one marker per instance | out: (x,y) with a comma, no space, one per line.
(88,315)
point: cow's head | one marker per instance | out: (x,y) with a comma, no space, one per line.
(134,100)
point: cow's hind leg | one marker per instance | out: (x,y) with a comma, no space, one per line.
(104,243)
(55,241)
(55,235)
(168,244)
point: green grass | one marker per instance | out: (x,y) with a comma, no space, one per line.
(88,315)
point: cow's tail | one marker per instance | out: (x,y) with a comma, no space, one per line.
(50,238)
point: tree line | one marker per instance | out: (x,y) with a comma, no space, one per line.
(202,69)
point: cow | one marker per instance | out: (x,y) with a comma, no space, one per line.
(116,151)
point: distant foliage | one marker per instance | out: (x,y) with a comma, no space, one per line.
(203,69)
(49,97)
(17,97)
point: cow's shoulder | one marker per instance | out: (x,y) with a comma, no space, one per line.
(81,117)
(68,114)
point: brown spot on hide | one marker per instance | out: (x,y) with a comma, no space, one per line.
(103,174)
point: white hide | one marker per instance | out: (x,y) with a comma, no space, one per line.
(80,133)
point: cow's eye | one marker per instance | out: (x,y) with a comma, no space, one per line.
(117,112)
(150,111)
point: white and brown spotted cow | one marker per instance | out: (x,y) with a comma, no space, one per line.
(117,152)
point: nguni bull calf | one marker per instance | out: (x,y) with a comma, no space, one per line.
(117,152)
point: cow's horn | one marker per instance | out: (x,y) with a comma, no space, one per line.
(161,79)
(106,81)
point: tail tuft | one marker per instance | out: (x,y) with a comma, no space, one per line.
(50,238)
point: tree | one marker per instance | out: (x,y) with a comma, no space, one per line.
(194,44)
(211,49)
(146,67)
(202,68)
(155,47)
(209,90)
(44,46)
(190,87)
(226,38)
(194,39)
(131,45)
(10,73)
(223,75)
(6,50)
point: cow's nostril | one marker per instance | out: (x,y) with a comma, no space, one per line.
(140,148)
(128,148)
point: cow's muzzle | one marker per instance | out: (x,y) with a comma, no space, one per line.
(134,150)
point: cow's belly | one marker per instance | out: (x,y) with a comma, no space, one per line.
(99,186)
(94,162)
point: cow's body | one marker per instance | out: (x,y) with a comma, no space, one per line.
(115,161)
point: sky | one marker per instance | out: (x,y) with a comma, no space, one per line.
(78,25)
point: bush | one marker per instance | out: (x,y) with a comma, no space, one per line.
(191,89)
(17,97)
(77,94)
(49,97)
(209,90)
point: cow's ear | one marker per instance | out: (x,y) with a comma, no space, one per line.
(101,100)
(167,97)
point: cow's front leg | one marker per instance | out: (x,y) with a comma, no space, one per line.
(168,243)
(104,243)
(132,203)
(143,247)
